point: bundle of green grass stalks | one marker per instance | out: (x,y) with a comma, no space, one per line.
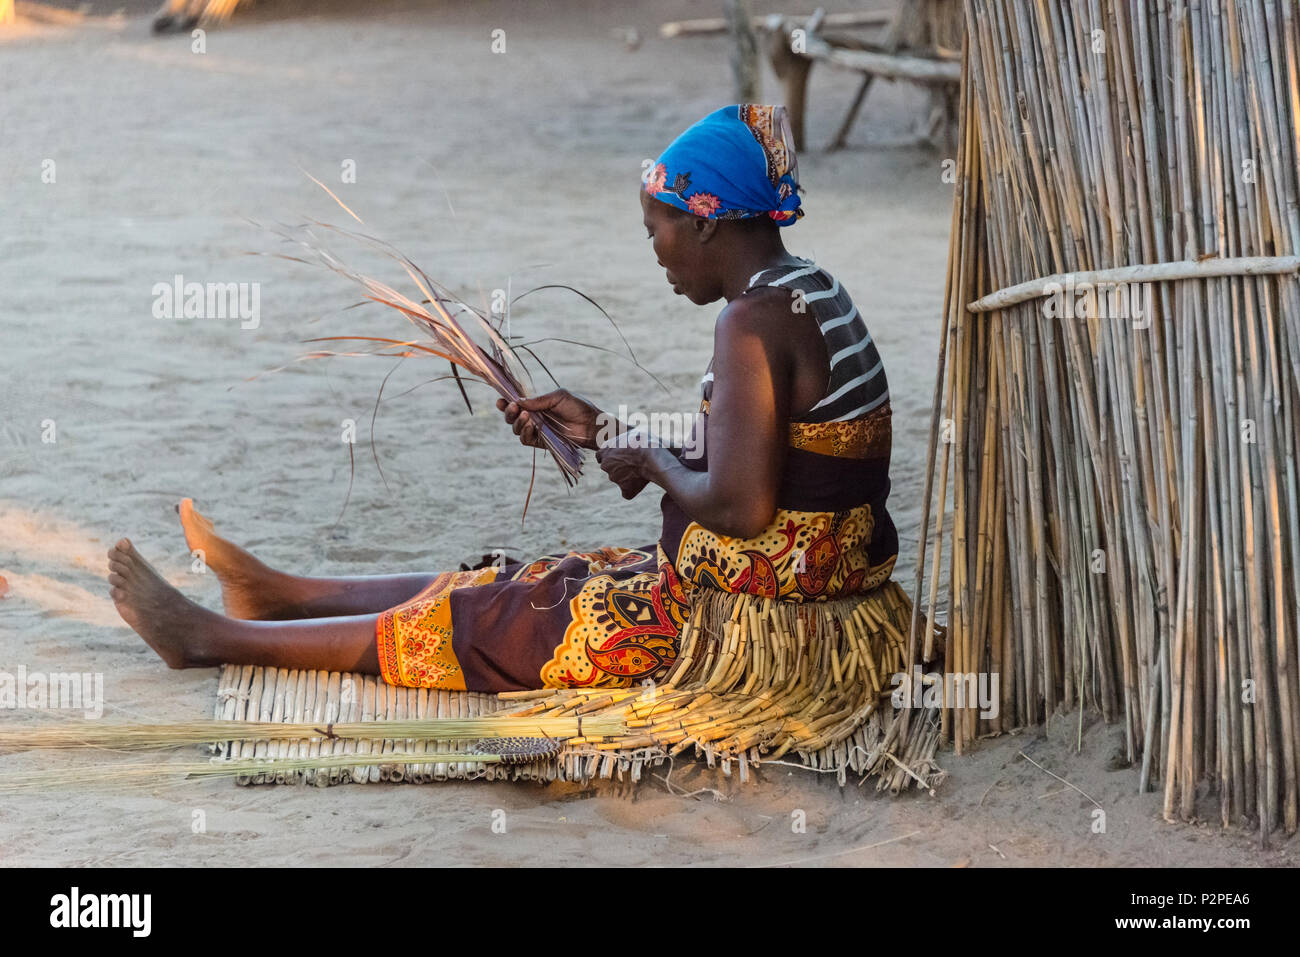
(1117,411)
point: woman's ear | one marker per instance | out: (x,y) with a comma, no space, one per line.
(705,229)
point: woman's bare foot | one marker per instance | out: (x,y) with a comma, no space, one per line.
(250,589)
(170,623)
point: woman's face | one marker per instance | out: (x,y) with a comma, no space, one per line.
(678,247)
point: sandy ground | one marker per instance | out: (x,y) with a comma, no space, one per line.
(484,168)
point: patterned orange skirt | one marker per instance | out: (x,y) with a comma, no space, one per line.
(613,617)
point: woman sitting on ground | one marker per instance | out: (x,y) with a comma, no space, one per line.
(786,500)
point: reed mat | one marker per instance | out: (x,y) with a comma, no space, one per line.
(278,695)
(756,681)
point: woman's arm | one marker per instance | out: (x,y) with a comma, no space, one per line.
(748,412)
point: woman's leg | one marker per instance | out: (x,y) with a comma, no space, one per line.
(187,635)
(251,589)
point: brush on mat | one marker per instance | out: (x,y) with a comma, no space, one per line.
(155,774)
(129,737)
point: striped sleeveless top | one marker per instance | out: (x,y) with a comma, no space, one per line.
(832,534)
(857,382)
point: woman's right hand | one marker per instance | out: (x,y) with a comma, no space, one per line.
(577,418)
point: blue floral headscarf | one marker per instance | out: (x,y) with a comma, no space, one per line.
(736,163)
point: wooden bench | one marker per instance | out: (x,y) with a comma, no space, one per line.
(919,43)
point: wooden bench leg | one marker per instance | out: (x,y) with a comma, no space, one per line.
(792,70)
(744,51)
(842,137)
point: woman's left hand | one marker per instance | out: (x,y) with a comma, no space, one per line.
(626,468)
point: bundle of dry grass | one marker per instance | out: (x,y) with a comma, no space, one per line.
(468,339)
(758,679)
(1121,454)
